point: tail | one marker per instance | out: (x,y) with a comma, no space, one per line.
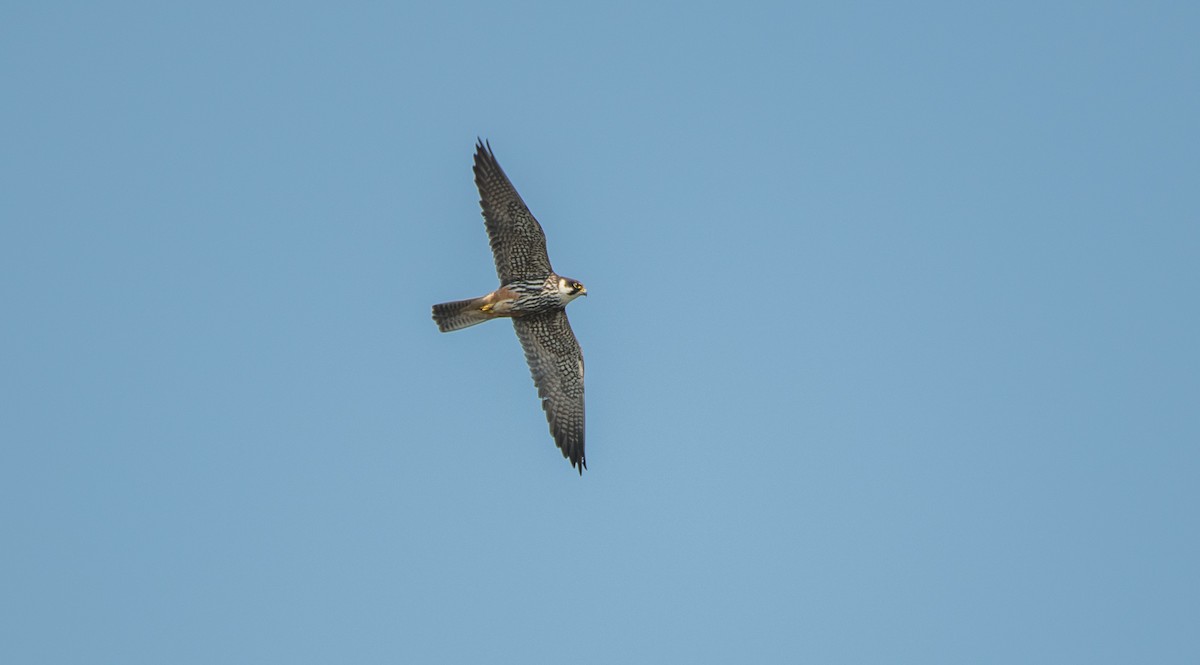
(459,314)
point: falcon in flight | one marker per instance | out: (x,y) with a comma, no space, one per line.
(534,297)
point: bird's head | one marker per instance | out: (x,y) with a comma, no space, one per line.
(571,289)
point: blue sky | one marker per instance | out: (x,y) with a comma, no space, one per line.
(891,335)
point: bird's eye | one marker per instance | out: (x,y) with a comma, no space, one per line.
(576,286)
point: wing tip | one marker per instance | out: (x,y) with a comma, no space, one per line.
(486,167)
(568,441)
(572,450)
(578,461)
(483,148)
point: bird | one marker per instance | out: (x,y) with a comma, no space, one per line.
(534,297)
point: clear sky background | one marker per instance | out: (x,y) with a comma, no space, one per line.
(892,335)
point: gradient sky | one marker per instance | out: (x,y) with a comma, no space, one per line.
(891,336)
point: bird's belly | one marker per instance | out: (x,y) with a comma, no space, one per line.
(501,308)
(504,302)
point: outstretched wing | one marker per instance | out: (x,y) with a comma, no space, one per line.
(557,365)
(518,242)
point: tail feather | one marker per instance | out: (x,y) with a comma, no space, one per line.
(459,314)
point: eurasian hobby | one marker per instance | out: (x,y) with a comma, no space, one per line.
(534,297)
